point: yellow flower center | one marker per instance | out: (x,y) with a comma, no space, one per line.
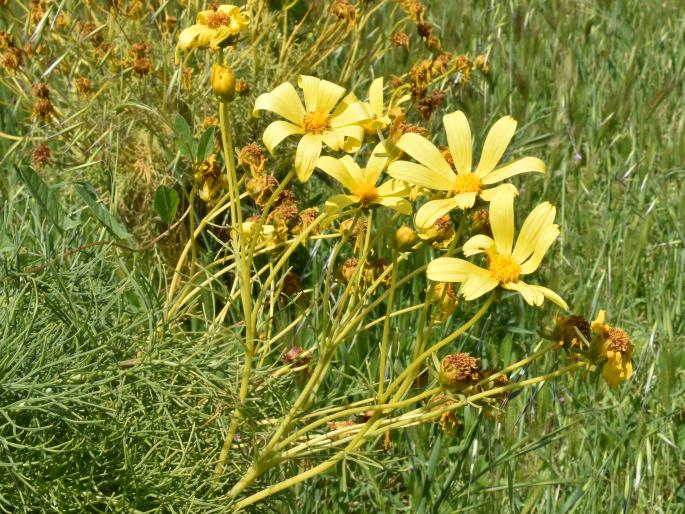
(504,269)
(315,123)
(467,183)
(215,20)
(366,193)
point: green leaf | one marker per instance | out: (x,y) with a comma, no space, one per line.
(166,203)
(184,138)
(45,197)
(112,224)
(206,144)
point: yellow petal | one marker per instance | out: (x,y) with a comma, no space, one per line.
(284,101)
(328,95)
(465,200)
(451,269)
(547,236)
(376,97)
(534,294)
(477,284)
(478,244)
(353,170)
(338,171)
(551,295)
(459,140)
(354,113)
(338,202)
(525,165)
(423,151)
(334,140)
(495,145)
(308,151)
(376,164)
(310,90)
(488,194)
(202,16)
(534,225)
(430,211)
(399,204)
(502,221)
(354,135)
(420,175)
(195,36)
(277,132)
(394,187)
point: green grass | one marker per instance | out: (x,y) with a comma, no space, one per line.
(597,88)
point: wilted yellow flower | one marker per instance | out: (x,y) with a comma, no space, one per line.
(214,29)
(505,266)
(462,188)
(615,345)
(322,119)
(362,183)
(267,235)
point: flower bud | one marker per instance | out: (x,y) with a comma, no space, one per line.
(405,237)
(444,297)
(223,82)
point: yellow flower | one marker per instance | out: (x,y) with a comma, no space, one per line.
(214,29)
(380,117)
(322,119)
(462,189)
(362,183)
(615,345)
(267,236)
(505,266)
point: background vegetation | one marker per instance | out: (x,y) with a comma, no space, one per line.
(597,88)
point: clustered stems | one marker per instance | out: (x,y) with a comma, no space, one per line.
(348,300)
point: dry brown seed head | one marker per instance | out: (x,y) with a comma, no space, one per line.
(43,109)
(40,90)
(619,341)
(401,39)
(242,88)
(41,155)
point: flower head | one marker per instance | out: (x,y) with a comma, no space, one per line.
(615,345)
(323,118)
(214,29)
(462,188)
(380,116)
(362,183)
(507,262)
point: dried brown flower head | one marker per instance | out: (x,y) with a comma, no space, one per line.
(401,39)
(43,109)
(458,370)
(242,88)
(83,86)
(41,155)
(40,90)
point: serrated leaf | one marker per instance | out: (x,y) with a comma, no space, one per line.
(166,203)
(184,138)
(113,225)
(206,144)
(45,197)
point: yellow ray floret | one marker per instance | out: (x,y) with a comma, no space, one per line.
(379,114)
(507,262)
(323,119)
(362,183)
(213,29)
(432,171)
